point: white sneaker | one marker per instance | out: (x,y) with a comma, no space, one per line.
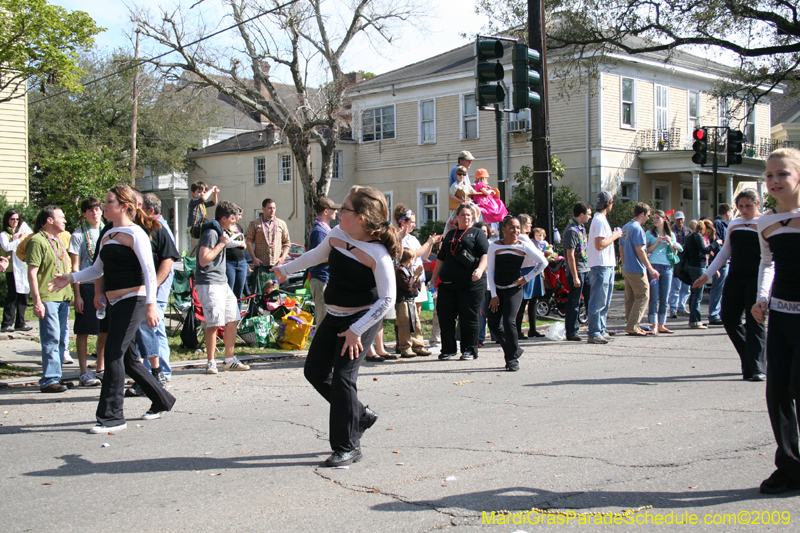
(151,415)
(99,375)
(211,367)
(66,359)
(100,428)
(88,379)
(235,366)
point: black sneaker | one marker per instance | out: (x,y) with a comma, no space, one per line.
(716,322)
(468,356)
(134,391)
(366,421)
(8,329)
(344,458)
(512,366)
(778,483)
(24,328)
(159,375)
(446,356)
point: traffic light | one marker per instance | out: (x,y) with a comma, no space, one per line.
(488,71)
(525,77)
(700,147)
(735,138)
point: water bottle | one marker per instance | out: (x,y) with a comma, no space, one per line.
(101,313)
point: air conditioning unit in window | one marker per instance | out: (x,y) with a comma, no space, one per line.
(519,125)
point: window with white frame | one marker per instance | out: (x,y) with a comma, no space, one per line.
(377,124)
(661,195)
(724,111)
(285,168)
(628,118)
(427,121)
(628,192)
(662,112)
(428,206)
(694,110)
(750,123)
(260,164)
(469,117)
(390,202)
(337,165)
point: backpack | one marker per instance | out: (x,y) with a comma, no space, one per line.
(189,331)
(200,218)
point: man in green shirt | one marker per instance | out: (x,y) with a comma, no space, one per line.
(46,257)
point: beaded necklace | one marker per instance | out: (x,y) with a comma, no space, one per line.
(265,230)
(581,230)
(88,241)
(58,249)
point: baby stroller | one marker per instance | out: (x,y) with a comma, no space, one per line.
(557,291)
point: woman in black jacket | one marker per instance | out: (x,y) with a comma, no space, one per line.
(696,256)
(461,264)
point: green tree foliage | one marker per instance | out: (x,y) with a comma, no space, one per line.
(67,178)
(763,35)
(41,42)
(171,122)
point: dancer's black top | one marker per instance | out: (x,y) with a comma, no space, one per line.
(505,264)
(780,255)
(742,248)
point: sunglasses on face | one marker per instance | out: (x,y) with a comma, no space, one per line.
(343,208)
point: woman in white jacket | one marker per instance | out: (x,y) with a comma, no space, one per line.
(14,232)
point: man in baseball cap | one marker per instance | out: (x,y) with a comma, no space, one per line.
(679,291)
(465,159)
(601,260)
(603,198)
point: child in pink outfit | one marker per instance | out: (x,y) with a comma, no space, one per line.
(492,207)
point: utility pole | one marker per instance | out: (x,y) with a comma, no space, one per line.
(135,109)
(542,180)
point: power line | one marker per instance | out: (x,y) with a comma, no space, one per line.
(143,61)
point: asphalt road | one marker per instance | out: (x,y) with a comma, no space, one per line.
(665,422)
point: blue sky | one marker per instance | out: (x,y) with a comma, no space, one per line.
(446,19)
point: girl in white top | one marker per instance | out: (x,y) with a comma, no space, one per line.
(360,291)
(505,260)
(13,232)
(125,261)
(779,291)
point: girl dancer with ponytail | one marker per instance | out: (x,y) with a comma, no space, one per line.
(125,261)
(778,291)
(741,286)
(360,291)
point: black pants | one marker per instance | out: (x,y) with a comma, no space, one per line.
(124,318)
(503,322)
(739,295)
(335,376)
(783,389)
(16,304)
(531,305)
(462,302)
(574,300)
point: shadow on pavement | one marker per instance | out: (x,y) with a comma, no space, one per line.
(525,498)
(76,465)
(641,380)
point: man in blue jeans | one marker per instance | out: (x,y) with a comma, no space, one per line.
(578,273)
(46,257)
(679,291)
(715,296)
(601,260)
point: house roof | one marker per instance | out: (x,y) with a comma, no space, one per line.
(462,60)
(785,106)
(248,141)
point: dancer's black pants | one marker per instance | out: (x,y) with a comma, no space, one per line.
(121,358)
(335,376)
(503,322)
(749,339)
(16,304)
(783,388)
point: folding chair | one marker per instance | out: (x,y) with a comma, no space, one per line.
(181,295)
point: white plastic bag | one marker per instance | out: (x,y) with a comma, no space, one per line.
(556,332)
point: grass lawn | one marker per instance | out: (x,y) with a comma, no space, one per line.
(9,371)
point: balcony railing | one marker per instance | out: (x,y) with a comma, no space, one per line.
(162,183)
(659,139)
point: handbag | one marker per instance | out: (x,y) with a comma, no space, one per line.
(464,256)
(680,272)
(295,331)
(672,257)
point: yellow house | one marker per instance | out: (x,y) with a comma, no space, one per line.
(14,148)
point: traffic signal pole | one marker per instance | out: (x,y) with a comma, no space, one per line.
(499,117)
(542,179)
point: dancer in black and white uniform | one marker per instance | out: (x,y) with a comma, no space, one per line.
(361,289)
(505,260)
(125,261)
(741,285)
(779,291)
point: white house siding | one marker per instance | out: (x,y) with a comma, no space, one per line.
(14,149)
